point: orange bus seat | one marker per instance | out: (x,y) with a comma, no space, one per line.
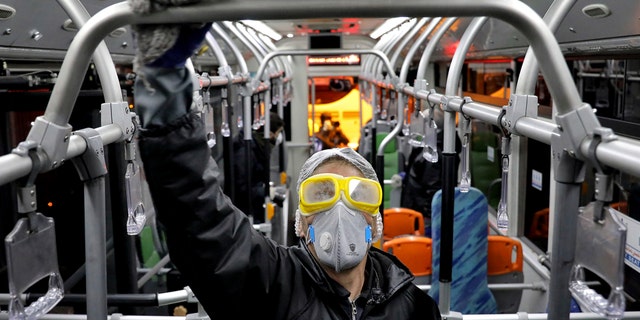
(415,253)
(620,206)
(402,221)
(504,265)
(540,225)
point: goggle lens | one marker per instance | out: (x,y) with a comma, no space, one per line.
(319,191)
(363,191)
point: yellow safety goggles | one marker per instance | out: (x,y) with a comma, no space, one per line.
(322,191)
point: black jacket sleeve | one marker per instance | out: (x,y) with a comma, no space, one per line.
(223,259)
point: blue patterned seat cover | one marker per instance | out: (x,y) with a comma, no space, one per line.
(469,291)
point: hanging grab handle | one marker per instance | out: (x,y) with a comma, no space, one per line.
(600,248)
(32,256)
(465,130)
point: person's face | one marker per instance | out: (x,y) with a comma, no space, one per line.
(344,170)
(273,136)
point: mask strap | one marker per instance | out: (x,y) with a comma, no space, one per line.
(367,234)
(311,234)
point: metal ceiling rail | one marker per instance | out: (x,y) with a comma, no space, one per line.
(401,33)
(516,13)
(405,40)
(104,64)
(273,54)
(528,77)
(66,90)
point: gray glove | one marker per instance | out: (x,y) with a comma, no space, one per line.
(165,45)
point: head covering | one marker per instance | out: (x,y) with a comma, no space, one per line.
(325,116)
(352,157)
(347,154)
(275,122)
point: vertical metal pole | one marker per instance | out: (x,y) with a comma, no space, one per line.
(227,142)
(95,248)
(563,254)
(449,169)
(313,107)
(281,153)
(374,125)
(564,193)
(247,123)
(569,175)
(360,88)
(448,192)
(281,98)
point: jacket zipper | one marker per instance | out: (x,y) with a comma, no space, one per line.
(354,311)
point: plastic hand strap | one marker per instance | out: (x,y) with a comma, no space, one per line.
(600,248)
(416,139)
(31,256)
(208,119)
(224,127)
(430,152)
(256,114)
(502,216)
(406,129)
(41,306)
(136,218)
(465,179)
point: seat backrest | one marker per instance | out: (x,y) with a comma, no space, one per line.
(391,164)
(505,255)
(469,290)
(539,225)
(504,265)
(621,206)
(415,253)
(402,221)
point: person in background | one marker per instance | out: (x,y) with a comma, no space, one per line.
(330,135)
(339,139)
(233,270)
(424,178)
(259,165)
(324,135)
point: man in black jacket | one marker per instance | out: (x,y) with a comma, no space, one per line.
(259,167)
(234,271)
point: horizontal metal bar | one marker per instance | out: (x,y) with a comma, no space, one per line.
(622,154)
(219,81)
(172,297)
(13,167)
(543,316)
(162,299)
(4,316)
(537,129)
(538,286)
